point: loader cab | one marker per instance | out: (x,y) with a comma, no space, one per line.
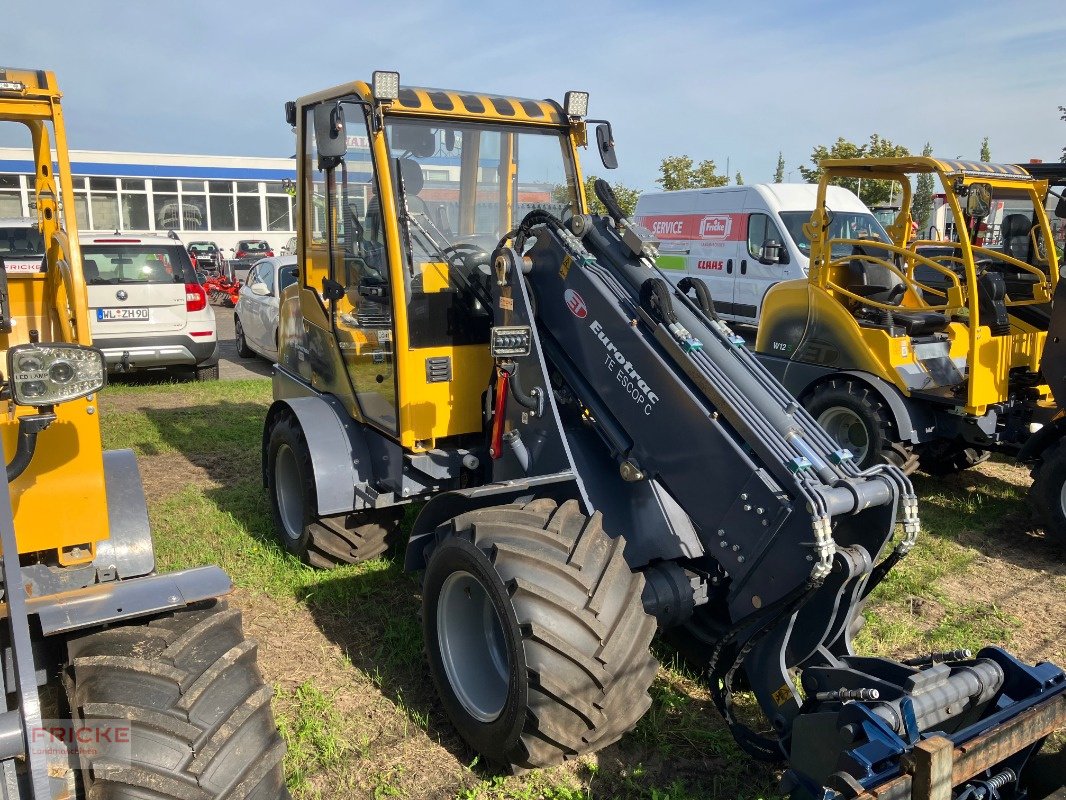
(405,195)
(960,317)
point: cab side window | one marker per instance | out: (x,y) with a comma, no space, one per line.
(761,229)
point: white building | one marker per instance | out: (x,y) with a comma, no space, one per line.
(217,198)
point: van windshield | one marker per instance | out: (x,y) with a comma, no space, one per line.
(842,225)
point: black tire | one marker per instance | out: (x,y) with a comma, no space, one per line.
(206,373)
(948,458)
(243,350)
(199,711)
(560,605)
(1047,495)
(838,401)
(323,542)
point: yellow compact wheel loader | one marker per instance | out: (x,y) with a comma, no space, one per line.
(119,682)
(934,351)
(599,458)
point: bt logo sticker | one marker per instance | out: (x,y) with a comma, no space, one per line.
(575,304)
(716,226)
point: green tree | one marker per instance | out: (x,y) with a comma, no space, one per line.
(740,179)
(922,201)
(873,193)
(627,198)
(1062,110)
(678,172)
(779,173)
(986,151)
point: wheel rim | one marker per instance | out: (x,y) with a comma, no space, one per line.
(239,332)
(288,487)
(1062,498)
(473,647)
(847,429)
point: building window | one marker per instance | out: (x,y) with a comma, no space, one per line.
(222,213)
(81,209)
(105,210)
(248,213)
(167,212)
(247,187)
(220,187)
(278,215)
(160,185)
(135,212)
(10,196)
(132,184)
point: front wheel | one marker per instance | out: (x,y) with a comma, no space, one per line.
(535,634)
(856,418)
(198,711)
(1048,492)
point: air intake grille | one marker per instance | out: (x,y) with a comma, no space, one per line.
(439,369)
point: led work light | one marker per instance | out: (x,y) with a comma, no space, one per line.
(44,375)
(576,104)
(385,85)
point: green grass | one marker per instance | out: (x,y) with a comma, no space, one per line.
(200,445)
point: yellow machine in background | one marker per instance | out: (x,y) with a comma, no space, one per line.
(97,639)
(925,350)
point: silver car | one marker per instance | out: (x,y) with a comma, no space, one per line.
(255,319)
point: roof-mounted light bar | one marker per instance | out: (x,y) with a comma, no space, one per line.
(385,85)
(576,104)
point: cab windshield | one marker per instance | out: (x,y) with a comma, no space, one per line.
(459,189)
(842,225)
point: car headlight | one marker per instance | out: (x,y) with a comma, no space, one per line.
(48,374)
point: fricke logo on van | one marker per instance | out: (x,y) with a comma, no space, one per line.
(575,303)
(716,226)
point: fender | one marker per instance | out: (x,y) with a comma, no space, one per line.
(128,551)
(911,419)
(1035,445)
(340,457)
(560,486)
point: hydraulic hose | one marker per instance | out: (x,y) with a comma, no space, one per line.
(29,427)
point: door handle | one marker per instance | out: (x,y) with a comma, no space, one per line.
(744,267)
(729,266)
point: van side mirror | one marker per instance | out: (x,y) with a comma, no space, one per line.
(331,134)
(979,200)
(773,253)
(290,112)
(605,144)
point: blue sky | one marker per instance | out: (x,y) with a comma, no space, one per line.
(733,82)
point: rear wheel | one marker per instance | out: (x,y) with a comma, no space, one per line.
(206,373)
(535,634)
(199,712)
(1048,492)
(856,418)
(951,457)
(243,350)
(323,542)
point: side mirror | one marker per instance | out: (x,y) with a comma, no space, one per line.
(772,253)
(979,200)
(1060,207)
(331,290)
(605,144)
(290,112)
(259,289)
(331,134)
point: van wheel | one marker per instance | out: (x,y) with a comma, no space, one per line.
(856,418)
(1047,495)
(198,711)
(323,542)
(243,350)
(535,634)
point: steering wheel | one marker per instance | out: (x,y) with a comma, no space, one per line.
(471,254)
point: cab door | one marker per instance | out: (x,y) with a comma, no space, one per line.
(759,265)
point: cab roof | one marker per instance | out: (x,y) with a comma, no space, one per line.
(946,167)
(451,104)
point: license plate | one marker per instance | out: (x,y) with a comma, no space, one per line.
(113,314)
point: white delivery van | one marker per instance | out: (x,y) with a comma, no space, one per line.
(741,240)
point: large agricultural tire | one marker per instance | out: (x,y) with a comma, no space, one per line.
(856,417)
(535,634)
(323,542)
(1047,495)
(199,713)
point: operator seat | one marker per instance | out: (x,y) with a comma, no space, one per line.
(1016,229)
(869,279)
